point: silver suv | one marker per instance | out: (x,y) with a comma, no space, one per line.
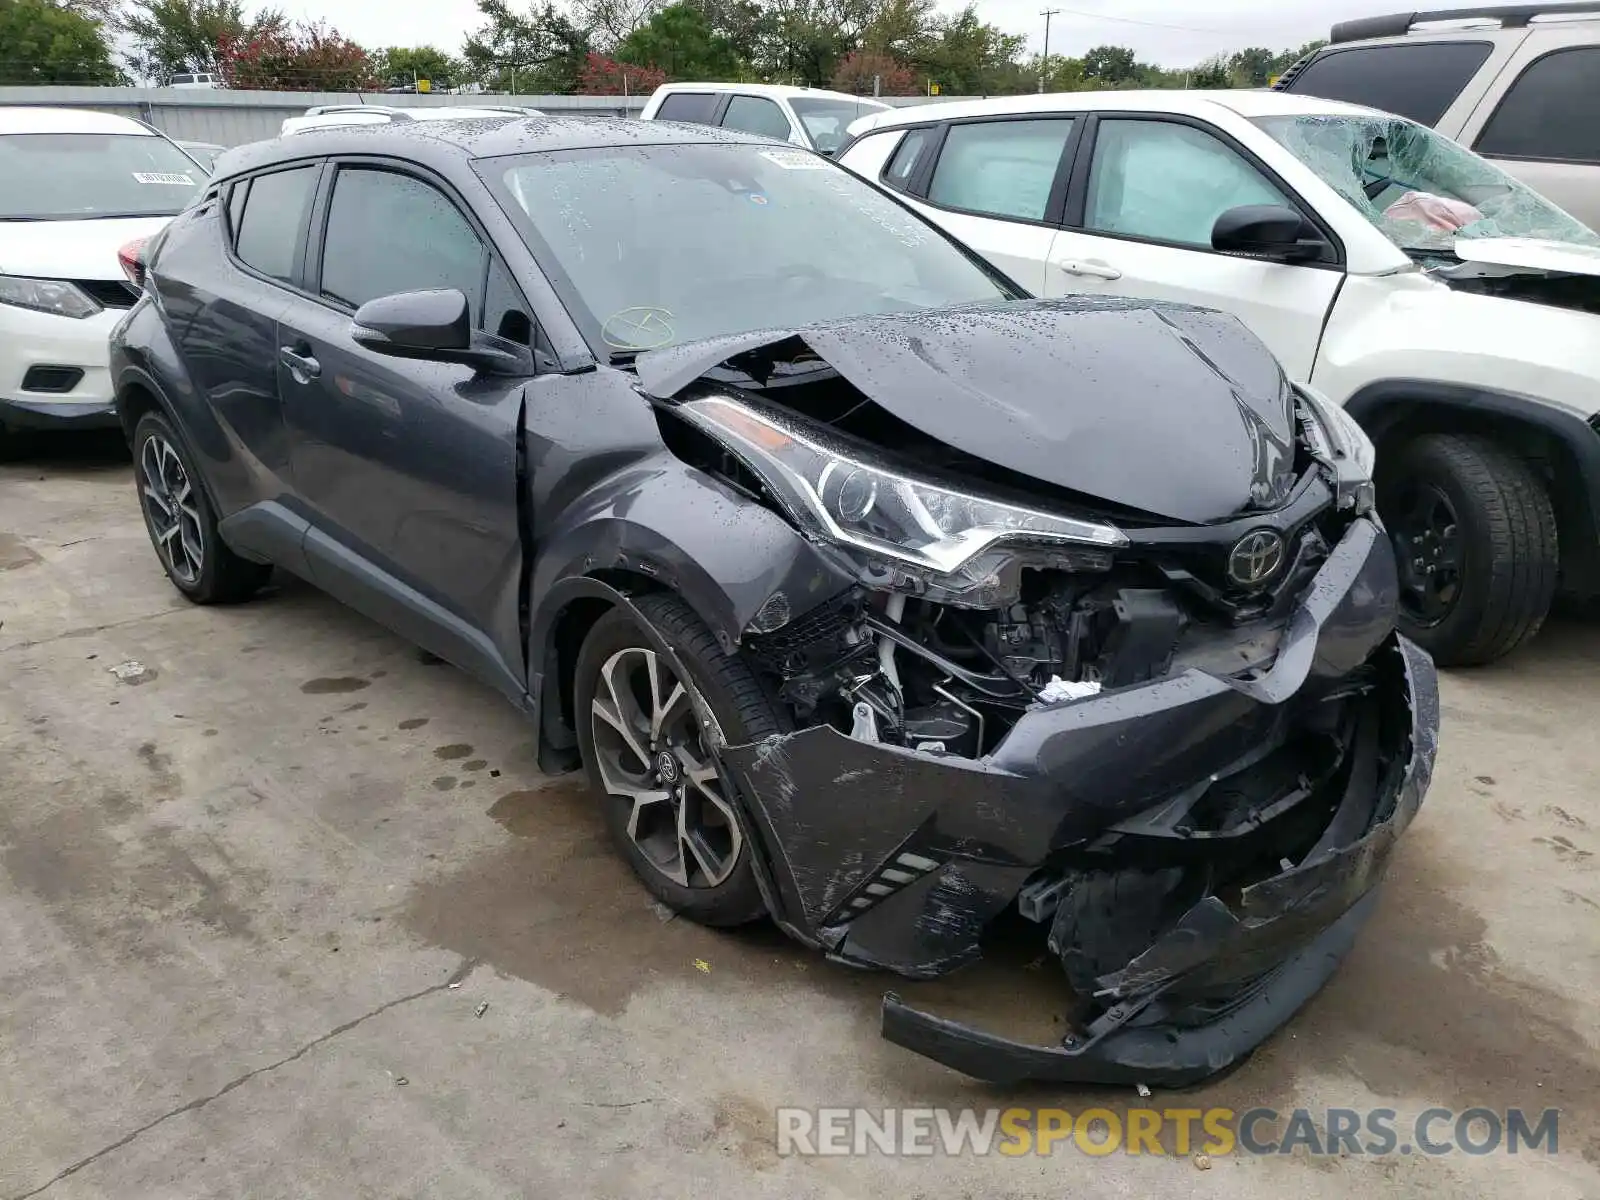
(1520,84)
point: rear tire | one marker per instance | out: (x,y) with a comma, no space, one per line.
(1492,531)
(181,522)
(664,802)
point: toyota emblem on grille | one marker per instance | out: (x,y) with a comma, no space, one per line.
(1255,558)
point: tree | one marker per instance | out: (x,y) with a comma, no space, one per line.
(542,51)
(1212,73)
(42,43)
(609,22)
(170,36)
(400,66)
(1110,66)
(1251,67)
(967,57)
(310,57)
(679,41)
(860,70)
(101,12)
(900,28)
(602,76)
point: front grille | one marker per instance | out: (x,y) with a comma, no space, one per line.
(51,379)
(109,293)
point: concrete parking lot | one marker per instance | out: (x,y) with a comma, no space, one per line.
(254,899)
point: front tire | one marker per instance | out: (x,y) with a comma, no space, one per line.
(182,523)
(652,762)
(1474,534)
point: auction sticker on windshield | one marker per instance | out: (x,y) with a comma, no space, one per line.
(795,160)
(163,177)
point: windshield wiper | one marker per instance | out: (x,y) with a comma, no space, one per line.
(622,358)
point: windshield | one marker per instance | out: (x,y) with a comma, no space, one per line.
(655,245)
(72,176)
(1419,188)
(826,120)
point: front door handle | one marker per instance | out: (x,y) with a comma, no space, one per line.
(303,367)
(1088,267)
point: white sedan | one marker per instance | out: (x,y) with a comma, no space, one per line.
(1452,311)
(80,192)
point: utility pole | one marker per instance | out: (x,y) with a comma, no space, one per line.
(1044,59)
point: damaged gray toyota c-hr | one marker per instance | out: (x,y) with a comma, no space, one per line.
(873,595)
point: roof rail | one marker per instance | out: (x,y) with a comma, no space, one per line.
(319,110)
(1510,16)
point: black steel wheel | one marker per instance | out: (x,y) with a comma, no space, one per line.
(1474,536)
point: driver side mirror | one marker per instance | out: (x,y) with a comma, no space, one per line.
(1270,231)
(435,326)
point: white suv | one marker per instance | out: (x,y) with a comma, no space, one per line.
(1520,84)
(1452,311)
(806,117)
(79,193)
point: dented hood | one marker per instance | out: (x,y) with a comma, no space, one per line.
(1177,411)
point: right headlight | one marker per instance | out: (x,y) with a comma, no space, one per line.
(845,499)
(55,296)
(1343,446)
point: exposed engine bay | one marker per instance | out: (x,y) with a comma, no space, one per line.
(946,662)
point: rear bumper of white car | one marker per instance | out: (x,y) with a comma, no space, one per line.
(55,372)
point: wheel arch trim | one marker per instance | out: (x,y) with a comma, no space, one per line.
(578,588)
(1385,406)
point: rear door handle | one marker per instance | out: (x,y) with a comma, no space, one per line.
(303,367)
(1089,268)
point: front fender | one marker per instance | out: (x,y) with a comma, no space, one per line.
(729,557)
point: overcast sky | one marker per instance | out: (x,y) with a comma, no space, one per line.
(1172,34)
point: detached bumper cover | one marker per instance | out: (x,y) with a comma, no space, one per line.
(899,860)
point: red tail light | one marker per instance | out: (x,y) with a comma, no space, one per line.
(131,257)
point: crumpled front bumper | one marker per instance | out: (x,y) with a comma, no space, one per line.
(896,859)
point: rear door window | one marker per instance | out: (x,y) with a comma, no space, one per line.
(1419,81)
(696,107)
(1000,168)
(1551,113)
(273,219)
(758,115)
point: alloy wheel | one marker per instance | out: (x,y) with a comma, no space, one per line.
(650,749)
(1427,545)
(171,509)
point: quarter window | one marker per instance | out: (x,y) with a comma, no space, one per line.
(908,156)
(274,216)
(753,114)
(1552,112)
(1000,168)
(1167,182)
(1419,81)
(391,233)
(695,107)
